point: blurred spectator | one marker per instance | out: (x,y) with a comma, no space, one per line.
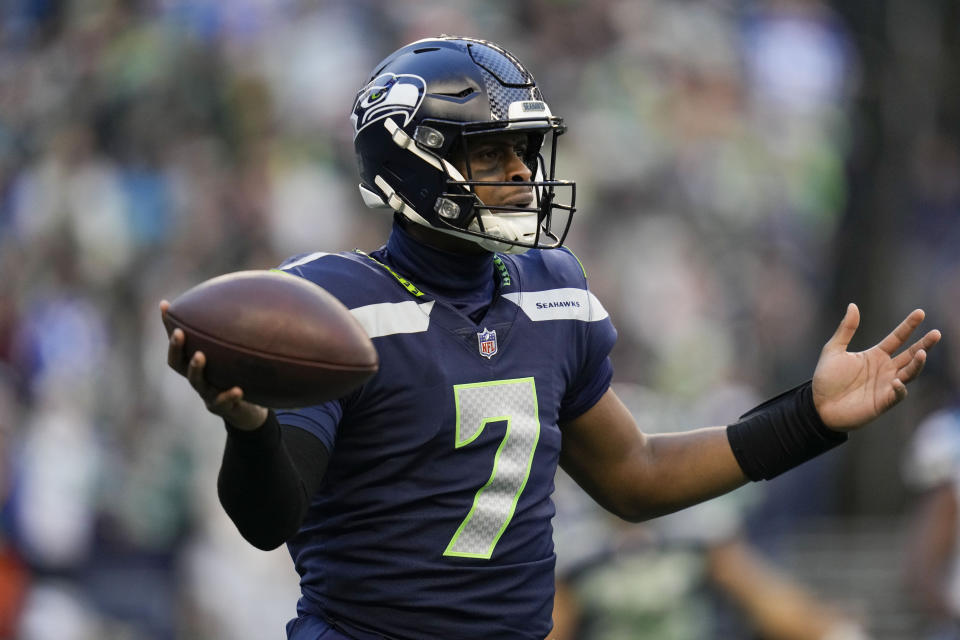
(798,56)
(13,570)
(933,571)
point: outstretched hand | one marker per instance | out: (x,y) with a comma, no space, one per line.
(850,389)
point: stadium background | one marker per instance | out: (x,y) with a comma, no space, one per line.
(744,169)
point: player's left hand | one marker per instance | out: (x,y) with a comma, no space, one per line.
(850,389)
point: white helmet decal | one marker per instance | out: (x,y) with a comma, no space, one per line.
(386,95)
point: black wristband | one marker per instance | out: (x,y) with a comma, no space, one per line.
(781,434)
(254,441)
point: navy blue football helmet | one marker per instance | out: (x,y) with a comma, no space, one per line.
(424,104)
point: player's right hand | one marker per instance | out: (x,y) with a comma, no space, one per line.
(228,404)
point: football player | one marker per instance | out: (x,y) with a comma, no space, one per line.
(418,506)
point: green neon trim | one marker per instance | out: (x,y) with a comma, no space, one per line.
(582,268)
(508,516)
(502,268)
(476,434)
(409,286)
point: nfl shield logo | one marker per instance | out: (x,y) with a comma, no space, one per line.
(488,342)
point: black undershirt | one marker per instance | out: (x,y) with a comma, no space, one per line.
(267,478)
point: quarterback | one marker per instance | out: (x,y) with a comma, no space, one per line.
(419,505)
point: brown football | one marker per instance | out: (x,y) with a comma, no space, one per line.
(285,341)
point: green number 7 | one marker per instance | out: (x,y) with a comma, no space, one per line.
(513,401)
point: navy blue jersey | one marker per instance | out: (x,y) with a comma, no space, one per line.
(433,520)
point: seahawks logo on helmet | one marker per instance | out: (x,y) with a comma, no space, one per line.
(387,95)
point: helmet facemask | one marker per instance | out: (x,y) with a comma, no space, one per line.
(507,227)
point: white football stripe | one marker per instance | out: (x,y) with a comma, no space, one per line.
(559,304)
(388,318)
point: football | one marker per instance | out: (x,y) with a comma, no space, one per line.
(282,339)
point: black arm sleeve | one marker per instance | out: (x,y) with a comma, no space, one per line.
(267,478)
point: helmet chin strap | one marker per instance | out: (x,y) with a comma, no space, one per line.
(511,226)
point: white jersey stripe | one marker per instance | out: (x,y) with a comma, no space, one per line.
(304,260)
(559,304)
(388,318)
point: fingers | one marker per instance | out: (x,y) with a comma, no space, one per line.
(226,400)
(175,351)
(195,376)
(913,368)
(195,370)
(899,391)
(898,337)
(224,403)
(192,369)
(912,360)
(931,338)
(176,360)
(177,339)
(848,327)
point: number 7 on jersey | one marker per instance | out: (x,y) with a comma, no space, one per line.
(515,402)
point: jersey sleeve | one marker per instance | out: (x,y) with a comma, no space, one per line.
(321,420)
(596,339)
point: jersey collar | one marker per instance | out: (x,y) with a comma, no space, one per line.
(440,272)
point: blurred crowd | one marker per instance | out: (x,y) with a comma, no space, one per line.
(146,145)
